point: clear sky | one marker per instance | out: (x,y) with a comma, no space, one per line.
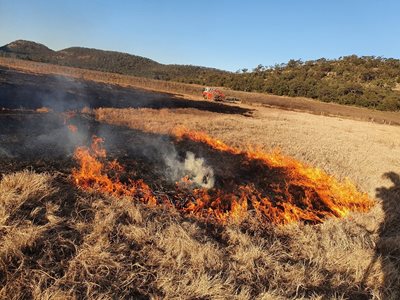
(223,34)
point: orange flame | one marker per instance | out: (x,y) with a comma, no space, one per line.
(94,174)
(43,109)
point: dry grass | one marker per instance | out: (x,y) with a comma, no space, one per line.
(362,151)
(105,248)
(61,243)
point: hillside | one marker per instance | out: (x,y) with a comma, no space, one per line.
(106,61)
(369,81)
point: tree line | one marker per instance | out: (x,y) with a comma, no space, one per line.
(372,82)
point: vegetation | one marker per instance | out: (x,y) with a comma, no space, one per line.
(177,90)
(369,81)
(335,145)
(104,248)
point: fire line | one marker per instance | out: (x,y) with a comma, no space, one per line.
(306,194)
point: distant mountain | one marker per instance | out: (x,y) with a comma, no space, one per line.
(107,61)
(366,81)
(21,47)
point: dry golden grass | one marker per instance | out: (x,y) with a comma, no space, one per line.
(61,243)
(105,248)
(361,151)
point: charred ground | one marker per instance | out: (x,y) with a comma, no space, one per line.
(60,93)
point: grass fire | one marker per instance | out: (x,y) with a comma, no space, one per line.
(281,190)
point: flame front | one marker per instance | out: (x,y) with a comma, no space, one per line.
(302,193)
(320,195)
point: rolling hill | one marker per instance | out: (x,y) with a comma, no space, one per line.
(107,61)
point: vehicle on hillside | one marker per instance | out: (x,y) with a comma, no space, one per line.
(215,94)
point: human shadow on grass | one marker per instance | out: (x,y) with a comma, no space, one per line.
(388,244)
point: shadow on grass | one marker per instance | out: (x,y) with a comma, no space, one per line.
(388,247)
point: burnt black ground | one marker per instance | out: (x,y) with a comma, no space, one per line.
(43,142)
(32,91)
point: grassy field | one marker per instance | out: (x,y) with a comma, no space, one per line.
(61,242)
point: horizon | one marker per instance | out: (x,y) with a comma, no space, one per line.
(228,35)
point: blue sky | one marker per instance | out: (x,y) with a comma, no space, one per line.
(223,34)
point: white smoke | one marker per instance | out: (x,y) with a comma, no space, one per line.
(195,169)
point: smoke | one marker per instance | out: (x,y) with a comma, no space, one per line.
(4,153)
(161,151)
(195,169)
(65,94)
(60,139)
